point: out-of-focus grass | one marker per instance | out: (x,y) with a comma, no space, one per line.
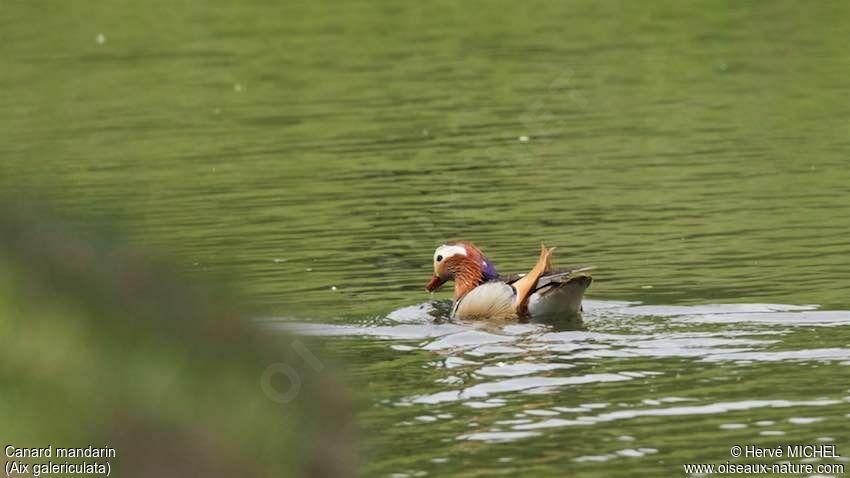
(104,346)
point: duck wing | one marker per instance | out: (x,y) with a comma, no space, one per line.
(557,279)
(554,279)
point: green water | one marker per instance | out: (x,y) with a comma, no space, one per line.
(695,154)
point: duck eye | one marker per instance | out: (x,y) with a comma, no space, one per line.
(439,258)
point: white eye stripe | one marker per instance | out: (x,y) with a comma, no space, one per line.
(448,251)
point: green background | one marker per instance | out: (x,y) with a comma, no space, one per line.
(695,153)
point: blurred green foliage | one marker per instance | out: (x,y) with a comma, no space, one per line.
(105,346)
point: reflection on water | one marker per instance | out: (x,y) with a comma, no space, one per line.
(695,153)
(648,331)
(624,367)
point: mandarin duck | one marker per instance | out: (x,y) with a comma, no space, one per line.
(481,293)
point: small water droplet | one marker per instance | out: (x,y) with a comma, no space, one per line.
(523,138)
(100,38)
(333,287)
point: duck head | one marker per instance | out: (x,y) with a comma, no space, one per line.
(462,262)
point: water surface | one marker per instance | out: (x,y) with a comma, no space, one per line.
(696,155)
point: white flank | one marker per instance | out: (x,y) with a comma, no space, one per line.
(491,300)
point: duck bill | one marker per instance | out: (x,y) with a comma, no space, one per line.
(435,283)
